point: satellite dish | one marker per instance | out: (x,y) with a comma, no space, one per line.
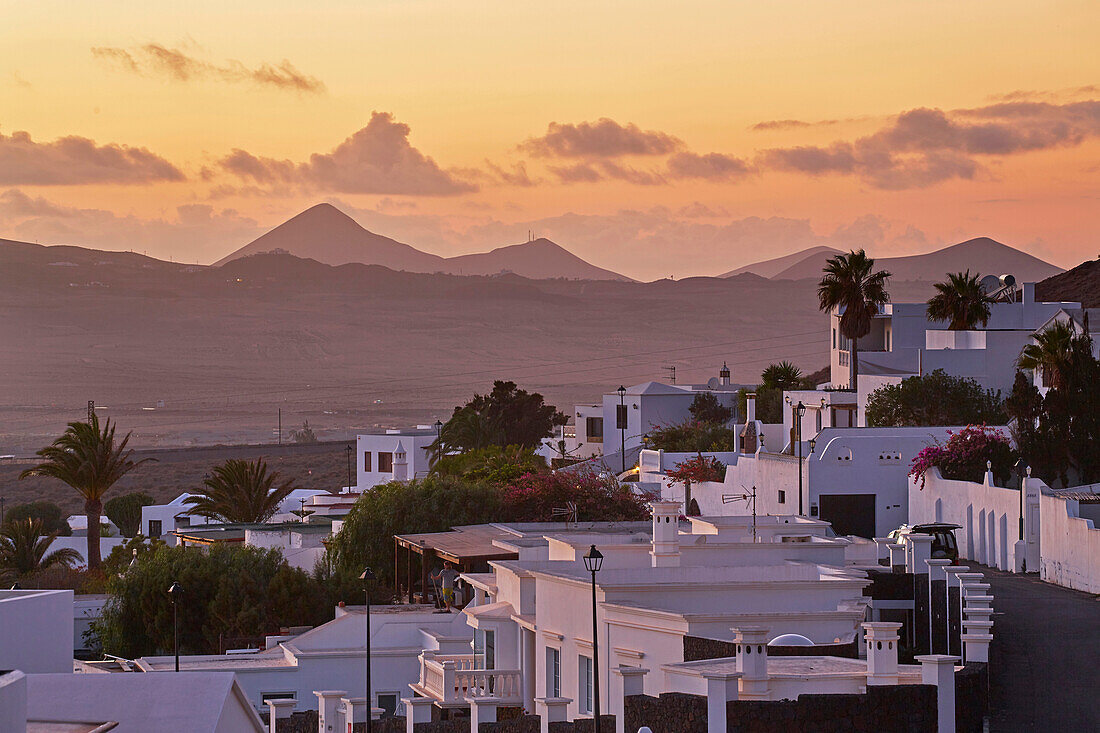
(790,640)
(990,283)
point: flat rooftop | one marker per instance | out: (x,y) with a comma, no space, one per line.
(801,667)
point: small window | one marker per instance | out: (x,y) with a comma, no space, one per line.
(264,697)
(834,338)
(385,462)
(156,528)
(584,684)
(388,702)
(366,461)
(620,417)
(782,496)
(593,429)
(553,672)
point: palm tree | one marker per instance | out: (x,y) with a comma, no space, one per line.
(240,491)
(24,549)
(1051,354)
(87,458)
(850,286)
(781,376)
(961,301)
(467,430)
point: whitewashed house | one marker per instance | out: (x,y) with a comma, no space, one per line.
(36,630)
(160,520)
(392,455)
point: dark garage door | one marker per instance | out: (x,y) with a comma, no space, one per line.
(849,513)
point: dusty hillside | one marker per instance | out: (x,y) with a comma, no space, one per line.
(1081,285)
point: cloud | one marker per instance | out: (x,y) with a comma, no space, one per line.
(517,176)
(921,147)
(712,166)
(77,160)
(604,138)
(153,59)
(377,159)
(199,230)
(579,173)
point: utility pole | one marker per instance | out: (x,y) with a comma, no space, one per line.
(280,426)
(671,373)
(91,411)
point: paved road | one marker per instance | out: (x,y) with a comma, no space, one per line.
(1045,656)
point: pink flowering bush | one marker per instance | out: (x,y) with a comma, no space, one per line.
(963,457)
(533,497)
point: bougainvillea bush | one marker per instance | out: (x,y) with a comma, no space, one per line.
(534,496)
(697,470)
(963,457)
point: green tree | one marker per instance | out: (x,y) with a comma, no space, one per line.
(850,286)
(228,591)
(304,434)
(691,437)
(432,504)
(467,430)
(782,376)
(493,465)
(706,408)
(50,514)
(125,511)
(87,459)
(506,416)
(240,491)
(961,301)
(1051,355)
(934,399)
(769,404)
(25,549)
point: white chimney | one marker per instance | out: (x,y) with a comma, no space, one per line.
(666,534)
(750,408)
(882,652)
(400,463)
(1029,293)
(752,661)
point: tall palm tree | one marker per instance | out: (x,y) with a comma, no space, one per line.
(781,376)
(24,549)
(87,458)
(468,430)
(1051,354)
(960,301)
(850,285)
(240,491)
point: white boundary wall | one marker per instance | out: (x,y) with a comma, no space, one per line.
(1071,544)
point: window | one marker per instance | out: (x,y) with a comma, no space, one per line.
(834,338)
(593,429)
(553,672)
(366,461)
(620,417)
(156,528)
(584,684)
(385,462)
(782,496)
(388,702)
(265,696)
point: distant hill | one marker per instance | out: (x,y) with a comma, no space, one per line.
(982,255)
(328,235)
(771,268)
(1079,285)
(535,259)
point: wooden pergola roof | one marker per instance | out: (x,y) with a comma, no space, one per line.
(462,545)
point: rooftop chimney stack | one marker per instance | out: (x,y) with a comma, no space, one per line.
(666,534)
(882,652)
(752,661)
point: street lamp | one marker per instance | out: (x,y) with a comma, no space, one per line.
(174,594)
(593,559)
(368,578)
(348,450)
(620,418)
(799,411)
(438,439)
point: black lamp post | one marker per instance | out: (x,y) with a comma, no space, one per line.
(438,439)
(621,420)
(368,578)
(799,411)
(1019,470)
(592,562)
(348,450)
(174,594)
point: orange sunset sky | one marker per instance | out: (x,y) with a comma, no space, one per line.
(651,138)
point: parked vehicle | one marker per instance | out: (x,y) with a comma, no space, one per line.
(944,545)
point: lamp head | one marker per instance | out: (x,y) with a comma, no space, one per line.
(801,408)
(367,576)
(621,390)
(593,560)
(175,592)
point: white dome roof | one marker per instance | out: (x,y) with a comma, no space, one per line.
(790,640)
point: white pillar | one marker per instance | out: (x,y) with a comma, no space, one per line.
(721,688)
(630,681)
(666,534)
(529,674)
(328,702)
(939,670)
(976,638)
(417,710)
(752,661)
(279,709)
(355,711)
(897,557)
(482,710)
(883,545)
(918,553)
(882,652)
(552,710)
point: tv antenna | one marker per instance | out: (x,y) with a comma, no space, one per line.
(749,497)
(671,373)
(569,511)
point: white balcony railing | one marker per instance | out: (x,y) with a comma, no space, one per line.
(452,678)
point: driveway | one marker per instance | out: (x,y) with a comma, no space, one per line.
(1045,656)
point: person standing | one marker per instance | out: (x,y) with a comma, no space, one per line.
(446,578)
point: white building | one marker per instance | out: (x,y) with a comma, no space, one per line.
(655,592)
(159,520)
(36,630)
(333,656)
(392,455)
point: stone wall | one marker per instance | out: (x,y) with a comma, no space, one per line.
(697,648)
(903,708)
(971,697)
